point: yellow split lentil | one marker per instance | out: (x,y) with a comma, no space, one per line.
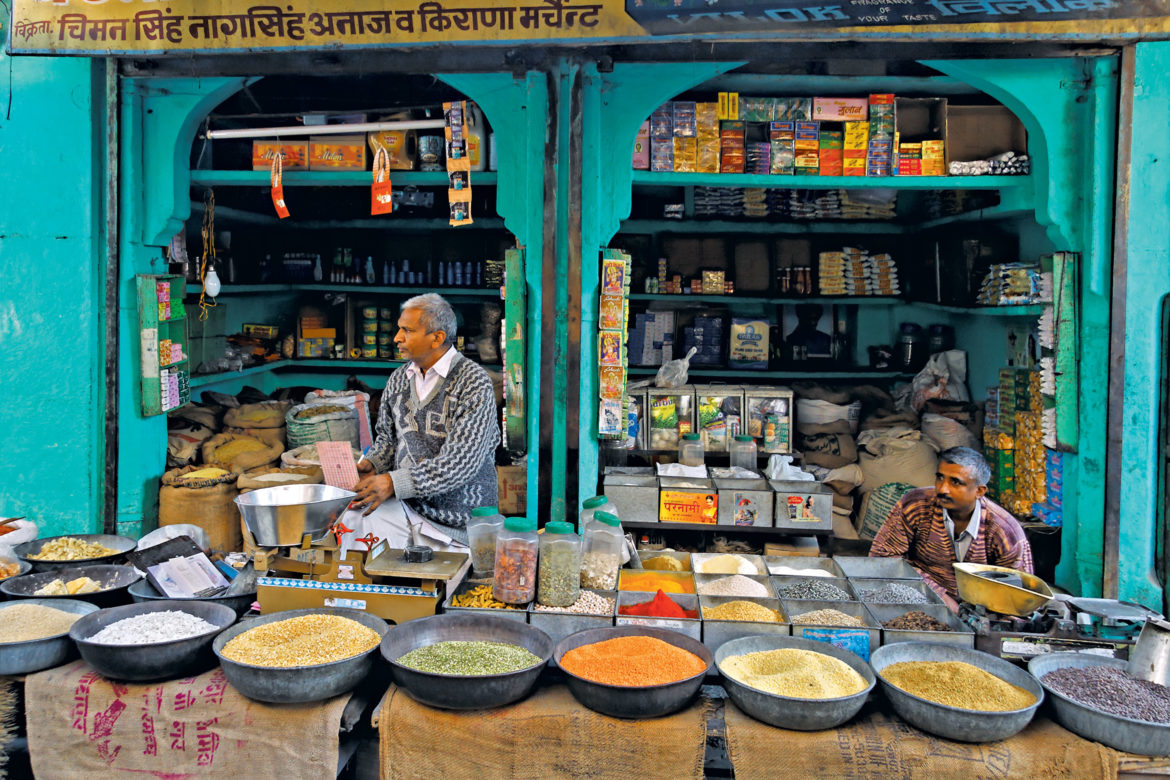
(480,597)
(23,622)
(957,684)
(67,548)
(307,640)
(797,674)
(229,451)
(742,610)
(208,473)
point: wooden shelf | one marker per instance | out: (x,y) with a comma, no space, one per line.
(709,226)
(212,178)
(747,529)
(776,181)
(293,287)
(292,364)
(747,373)
(864,300)
(399,220)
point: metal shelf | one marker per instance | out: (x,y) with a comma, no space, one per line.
(212,178)
(292,287)
(337,364)
(777,181)
(746,373)
(865,300)
(747,529)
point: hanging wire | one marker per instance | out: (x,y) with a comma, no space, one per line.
(208,257)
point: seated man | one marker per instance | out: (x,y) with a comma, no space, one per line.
(954,521)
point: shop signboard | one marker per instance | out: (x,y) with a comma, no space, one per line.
(157,27)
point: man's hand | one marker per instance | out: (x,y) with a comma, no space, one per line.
(365,467)
(373,491)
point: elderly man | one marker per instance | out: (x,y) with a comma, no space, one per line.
(437,433)
(954,521)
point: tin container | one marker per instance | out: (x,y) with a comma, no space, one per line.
(386,353)
(698,560)
(719,410)
(369,352)
(704,580)
(861,640)
(692,627)
(387,314)
(779,582)
(671,414)
(878,568)
(745,502)
(687,500)
(369,339)
(385,339)
(865,583)
(370,312)
(716,632)
(635,497)
(559,625)
(369,326)
(769,418)
(682,557)
(520,615)
(960,633)
(802,506)
(802,564)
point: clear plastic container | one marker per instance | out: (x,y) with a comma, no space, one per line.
(602,559)
(744,453)
(690,450)
(514,578)
(482,531)
(590,507)
(559,574)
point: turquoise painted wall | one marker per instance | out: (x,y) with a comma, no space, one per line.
(1147,285)
(52,300)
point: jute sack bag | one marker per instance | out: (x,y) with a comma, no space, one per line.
(263,421)
(270,476)
(206,499)
(239,453)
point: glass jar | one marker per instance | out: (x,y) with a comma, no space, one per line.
(744,453)
(559,573)
(482,530)
(690,450)
(514,578)
(602,559)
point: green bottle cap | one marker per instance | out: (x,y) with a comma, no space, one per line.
(596,501)
(559,527)
(484,511)
(691,436)
(745,439)
(520,524)
(607,518)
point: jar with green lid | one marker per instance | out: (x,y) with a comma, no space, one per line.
(602,558)
(690,450)
(482,531)
(593,505)
(559,578)
(514,578)
(744,453)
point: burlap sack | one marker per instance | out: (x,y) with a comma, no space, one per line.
(207,503)
(307,456)
(273,436)
(184,438)
(270,476)
(239,461)
(269,414)
(830,445)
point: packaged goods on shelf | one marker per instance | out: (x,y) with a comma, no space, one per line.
(1008,284)
(1006,164)
(642,147)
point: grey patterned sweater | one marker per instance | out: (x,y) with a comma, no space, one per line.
(439,450)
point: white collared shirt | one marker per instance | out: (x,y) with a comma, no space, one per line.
(424,384)
(963,543)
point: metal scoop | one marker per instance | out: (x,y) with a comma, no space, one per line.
(1150,657)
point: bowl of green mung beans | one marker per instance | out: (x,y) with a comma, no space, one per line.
(466,662)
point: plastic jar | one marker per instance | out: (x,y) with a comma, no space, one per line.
(690,450)
(559,577)
(602,559)
(590,509)
(482,531)
(514,578)
(744,453)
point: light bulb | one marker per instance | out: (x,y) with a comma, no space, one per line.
(211,285)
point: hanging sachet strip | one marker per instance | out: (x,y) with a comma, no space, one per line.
(381,198)
(276,174)
(458,163)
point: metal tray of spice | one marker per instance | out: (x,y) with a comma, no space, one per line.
(559,622)
(889,568)
(813,588)
(884,591)
(960,633)
(717,630)
(740,585)
(520,613)
(860,639)
(691,626)
(782,565)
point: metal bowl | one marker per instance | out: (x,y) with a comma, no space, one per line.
(122,544)
(156,660)
(789,712)
(297,684)
(953,722)
(1000,596)
(459,691)
(142,592)
(113,579)
(641,701)
(33,655)
(1128,734)
(282,515)
(23,568)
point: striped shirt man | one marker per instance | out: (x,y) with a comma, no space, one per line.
(917,530)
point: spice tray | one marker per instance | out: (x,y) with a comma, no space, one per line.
(960,634)
(920,586)
(779,582)
(861,640)
(33,655)
(684,557)
(692,627)
(627,579)
(856,566)
(774,562)
(698,560)
(703,581)
(520,614)
(716,632)
(559,625)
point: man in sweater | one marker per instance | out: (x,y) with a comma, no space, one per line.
(436,436)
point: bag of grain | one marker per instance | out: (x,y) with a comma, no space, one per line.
(204,496)
(239,453)
(263,421)
(307,456)
(272,477)
(358,400)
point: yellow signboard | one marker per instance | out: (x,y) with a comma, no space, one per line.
(151,26)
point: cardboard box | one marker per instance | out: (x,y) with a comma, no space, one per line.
(295,155)
(979,132)
(840,109)
(401,147)
(260,331)
(512,482)
(337,153)
(642,148)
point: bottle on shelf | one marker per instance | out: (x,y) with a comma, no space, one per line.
(266,269)
(370,277)
(744,453)
(559,566)
(318,273)
(386,273)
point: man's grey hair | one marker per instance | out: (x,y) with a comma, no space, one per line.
(969,459)
(435,314)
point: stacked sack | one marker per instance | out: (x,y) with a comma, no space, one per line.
(204,496)
(826,421)
(263,421)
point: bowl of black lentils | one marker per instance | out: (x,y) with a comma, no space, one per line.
(1094,697)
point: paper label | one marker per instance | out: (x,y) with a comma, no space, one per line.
(346,603)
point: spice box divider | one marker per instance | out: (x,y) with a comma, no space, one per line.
(783,580)
(698,559)
(798,562)
(960,633)
(692,627)
(858,567)
(702,580)
(860,583)
(520,614)
(685,557)
(716,632)
(559,625)
(861,640)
